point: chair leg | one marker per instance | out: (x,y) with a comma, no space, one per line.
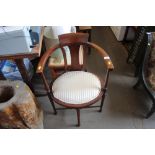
(52,103)
(78,116)
(102,101)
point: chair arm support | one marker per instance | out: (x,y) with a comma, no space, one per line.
(104,55)
(45,57)
(100,50)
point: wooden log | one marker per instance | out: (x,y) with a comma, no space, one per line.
(19,108)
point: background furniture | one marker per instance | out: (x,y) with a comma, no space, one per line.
(119,32)
(75,88)
(138,48)
(18,58)
(123,33)
(146,75)
(19,108)
(127,32)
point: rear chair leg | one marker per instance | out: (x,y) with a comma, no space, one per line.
(78,116)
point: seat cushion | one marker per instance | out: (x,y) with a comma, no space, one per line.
(76,87)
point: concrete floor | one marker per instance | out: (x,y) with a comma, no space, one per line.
(124,108)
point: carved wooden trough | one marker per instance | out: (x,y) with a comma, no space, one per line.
(18,106)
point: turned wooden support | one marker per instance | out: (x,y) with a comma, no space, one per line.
(78,117)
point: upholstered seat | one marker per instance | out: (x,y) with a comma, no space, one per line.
(76,87)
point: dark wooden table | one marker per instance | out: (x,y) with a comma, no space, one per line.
(18,59)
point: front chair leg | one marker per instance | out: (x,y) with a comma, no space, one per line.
(52,103)
(102,101)
(78,116)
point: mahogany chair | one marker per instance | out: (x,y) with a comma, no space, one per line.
(75,88)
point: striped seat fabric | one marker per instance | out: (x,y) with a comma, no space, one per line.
(76,87)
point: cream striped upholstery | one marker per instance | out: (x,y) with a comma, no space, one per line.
(76,87)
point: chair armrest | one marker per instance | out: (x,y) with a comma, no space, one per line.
(104,55)
(45,57)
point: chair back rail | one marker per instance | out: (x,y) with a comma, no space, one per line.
(47,54)
(73,42)
(64,57)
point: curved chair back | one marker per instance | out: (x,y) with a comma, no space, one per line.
(74,42)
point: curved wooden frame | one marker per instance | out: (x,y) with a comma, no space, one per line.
(46,55)
(76,40)
(83,105)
